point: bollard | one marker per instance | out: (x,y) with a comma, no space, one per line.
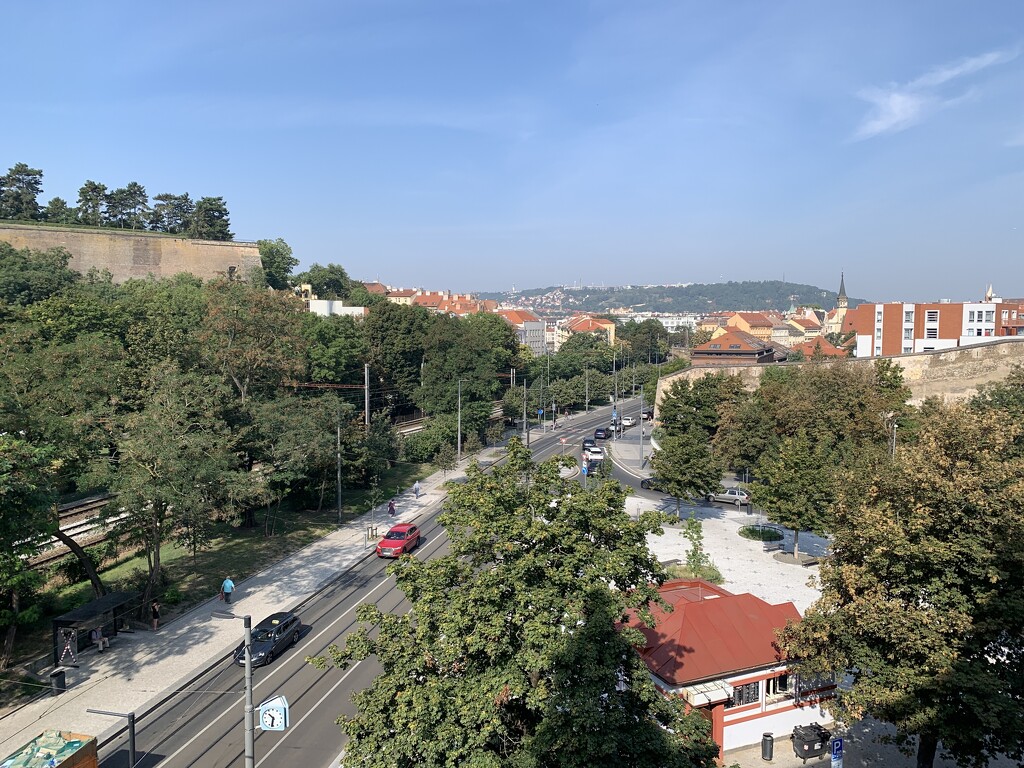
(767,746)
(58,682)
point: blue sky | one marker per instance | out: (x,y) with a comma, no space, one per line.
(477,144)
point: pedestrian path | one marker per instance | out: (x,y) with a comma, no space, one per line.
(141,668)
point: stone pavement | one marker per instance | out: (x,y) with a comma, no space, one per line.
(141,668)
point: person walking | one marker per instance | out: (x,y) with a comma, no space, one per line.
(391,508)
(416,488)
(154,614)
(227,588)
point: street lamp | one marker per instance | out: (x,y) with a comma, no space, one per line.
(458,428)
(131,730)
(249,720)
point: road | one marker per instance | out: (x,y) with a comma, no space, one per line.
(202,726)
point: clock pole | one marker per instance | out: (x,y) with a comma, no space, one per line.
(250,746)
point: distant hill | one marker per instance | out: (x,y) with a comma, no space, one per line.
(696,297)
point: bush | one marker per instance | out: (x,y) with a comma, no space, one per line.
(760,533)
(709,573)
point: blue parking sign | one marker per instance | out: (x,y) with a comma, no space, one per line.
(837,753)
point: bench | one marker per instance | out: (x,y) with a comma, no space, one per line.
(772,546)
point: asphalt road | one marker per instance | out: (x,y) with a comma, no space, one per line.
(202,725)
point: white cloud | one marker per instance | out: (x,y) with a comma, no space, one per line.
(898,107)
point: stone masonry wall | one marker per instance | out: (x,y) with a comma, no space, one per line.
(951,374)
(128,255)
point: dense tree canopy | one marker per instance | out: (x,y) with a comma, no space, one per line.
(511,655)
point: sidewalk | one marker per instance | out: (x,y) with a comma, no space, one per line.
(141,668)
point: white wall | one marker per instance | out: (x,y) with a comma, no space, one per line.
(780,724)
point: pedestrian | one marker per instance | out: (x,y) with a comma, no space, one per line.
(391,508)
(227,588)
(98,639)
(416,488)
(154,614)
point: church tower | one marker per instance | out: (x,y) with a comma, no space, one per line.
(841,297)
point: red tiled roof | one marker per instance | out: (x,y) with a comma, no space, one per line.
(806,322)
(754,319)
(378,288)
(432,300)
(733,341)
(404,293)
(519,316)
(819,345)
(711,633)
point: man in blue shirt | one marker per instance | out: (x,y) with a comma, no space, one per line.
(226,589)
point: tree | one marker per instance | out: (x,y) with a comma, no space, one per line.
(698,403)
(91,199)
(685,465)
(127,207)
(512,654)
(209,220)
(57,211)
(278,262)
(798,486)
(445,458)
(171,213)
(26,495)
(19,192)
(395,335)
(337,348)
(330,282)
(921,609)
(28,276)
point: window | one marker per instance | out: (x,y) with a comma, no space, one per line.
(970,331)
(908,333)
(878,316)
(990,316)
(745,694)
(907,350)
(734,346)
(716,346)
(970,316)
(808,684)
(931,316)
(931,333)
(1004,315)
(908,316)
(776,688)
(878,349)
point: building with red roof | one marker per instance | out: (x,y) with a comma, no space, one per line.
(754,323)
(733,347)
(530,329)
(719,652)
(818,347)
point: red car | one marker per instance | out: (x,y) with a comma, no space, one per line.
(402,538)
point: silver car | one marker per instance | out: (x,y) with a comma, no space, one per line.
(735,496)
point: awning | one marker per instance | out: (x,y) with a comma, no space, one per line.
(705,694)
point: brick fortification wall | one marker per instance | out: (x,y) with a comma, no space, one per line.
(951,374)
(126,255)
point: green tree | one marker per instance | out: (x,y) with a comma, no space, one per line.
(330,282)
(26,495)
(698,403)
(28,276)
(921,610)
(445,459)
(278,262)
(337,348)
(395,335)
(127,207)
(58,211)
(171,213)
(798,486)
(19,192)
(210,220)
(91,199)
(512,655)
(685,465)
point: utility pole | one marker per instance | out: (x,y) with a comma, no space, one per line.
(338,451)
(586,384)
(458,428)
(366,391)
(526,423)
(642,427)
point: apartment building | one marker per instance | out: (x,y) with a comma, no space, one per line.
(530,329)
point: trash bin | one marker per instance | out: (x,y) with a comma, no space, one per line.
(58,682)
(767,746)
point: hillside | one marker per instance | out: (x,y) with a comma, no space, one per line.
(696,297)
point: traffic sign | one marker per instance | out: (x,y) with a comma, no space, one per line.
(615,414)
(540,411)
(562,440)
(583,469)
(837,753)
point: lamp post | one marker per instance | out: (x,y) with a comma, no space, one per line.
(458,427)
(249,721)
(131,730)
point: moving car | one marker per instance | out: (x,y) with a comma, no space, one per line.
(402,538)
(593,453)
(648,414)
(270,637)
(735,496)
(628,421)
(589,442)
(601,433)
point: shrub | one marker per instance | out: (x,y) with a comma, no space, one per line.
(760,533)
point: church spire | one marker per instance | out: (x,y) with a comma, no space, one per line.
(841,296)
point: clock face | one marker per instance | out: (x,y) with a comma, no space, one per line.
(272,718)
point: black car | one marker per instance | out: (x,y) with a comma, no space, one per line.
(270,637)
(601,433)
(651,484)
(588,442)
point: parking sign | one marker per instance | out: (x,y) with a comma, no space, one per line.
(837,753)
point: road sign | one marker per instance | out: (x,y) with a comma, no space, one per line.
(540,411)
(615,414)
(583,469)
(837,753)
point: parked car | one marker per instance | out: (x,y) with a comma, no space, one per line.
(601,433)
(593,453)
(588,442)
(270,637)
(651,484)
(648,414)
(402,538)
(735,496)
(628,421)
